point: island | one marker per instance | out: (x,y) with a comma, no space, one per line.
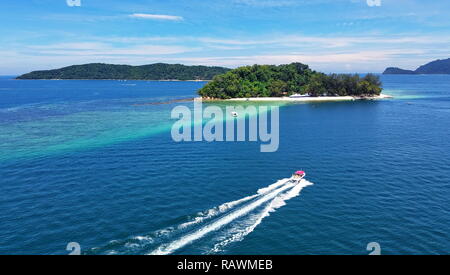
(395,70)
(435,67)
(158,71)
(291,82)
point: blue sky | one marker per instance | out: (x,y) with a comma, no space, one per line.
(329,35)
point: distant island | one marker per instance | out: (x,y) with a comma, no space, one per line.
(289,82)
(158,71)
(395,70)
(435,67)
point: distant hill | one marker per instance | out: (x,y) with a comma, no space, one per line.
(158,71)
(435,67)
(395,70)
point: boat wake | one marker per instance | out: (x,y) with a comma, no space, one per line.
(225,224)
(240,230)
(276,195)
(208,214)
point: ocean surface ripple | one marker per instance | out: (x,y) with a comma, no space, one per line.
(90,162)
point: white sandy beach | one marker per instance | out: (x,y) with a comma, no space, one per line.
(308,98)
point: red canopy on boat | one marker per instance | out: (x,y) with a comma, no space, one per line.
(300,172)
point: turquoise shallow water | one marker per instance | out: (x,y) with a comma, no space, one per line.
(80,162)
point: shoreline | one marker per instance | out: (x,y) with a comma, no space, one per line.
(305,99)
(124,80)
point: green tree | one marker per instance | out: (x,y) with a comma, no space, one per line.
(285,80)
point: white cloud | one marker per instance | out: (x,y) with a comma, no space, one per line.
(323,42)
(87,49)
(359,57)
(70,46)
(157,16)
(323,53)
(361,61)
(266,3)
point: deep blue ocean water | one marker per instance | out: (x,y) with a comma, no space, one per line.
(90,162)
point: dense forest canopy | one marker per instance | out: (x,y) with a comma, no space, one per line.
(285,80)
(158,71)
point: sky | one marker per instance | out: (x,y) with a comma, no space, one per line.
(329,35)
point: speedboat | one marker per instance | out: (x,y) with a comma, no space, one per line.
(298,176)
(234,114)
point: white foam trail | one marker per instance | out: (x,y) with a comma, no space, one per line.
(273,186)
(208,214)
(238,234)
(229,205)
(294,192)
(171,247)
(144,239)
(279,201)
(215,211)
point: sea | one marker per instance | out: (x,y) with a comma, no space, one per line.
(91,167)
